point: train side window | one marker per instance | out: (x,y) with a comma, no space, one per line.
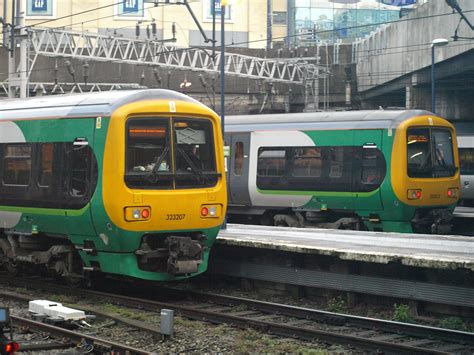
(307,162)
(373,169)
(271,162)
(45,164)
(336,161)
(17,164)
(80,162)
(466,158)
(238,158)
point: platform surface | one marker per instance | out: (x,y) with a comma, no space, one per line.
(423,250)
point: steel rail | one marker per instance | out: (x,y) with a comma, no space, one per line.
(284,329)
(335,318)
(99,343)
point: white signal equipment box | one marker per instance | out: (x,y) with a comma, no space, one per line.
(54,310)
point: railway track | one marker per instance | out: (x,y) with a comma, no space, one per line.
(86,342)
(294,322)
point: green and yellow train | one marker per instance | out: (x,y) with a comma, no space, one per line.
(128,183)
(395,171)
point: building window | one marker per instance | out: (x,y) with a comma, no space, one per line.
(279,17)
(129,10)
(208,10)
(40,8)
(17,164)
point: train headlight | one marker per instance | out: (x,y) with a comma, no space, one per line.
(414,194)
(211,211)
(133,214)
(453,192)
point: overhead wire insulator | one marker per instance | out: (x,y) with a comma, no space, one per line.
(56,79)
(157,76)
(202,80)
(85,68)
(148,32)
(173,29)
(70,69)
(137,30)
(153,28)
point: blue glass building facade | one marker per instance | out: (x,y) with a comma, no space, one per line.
(313,21)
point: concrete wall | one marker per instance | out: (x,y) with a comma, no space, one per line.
(405,47)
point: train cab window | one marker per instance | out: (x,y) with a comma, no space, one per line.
(17,164)
(148,152)
(307,162)
(271,162)
(194,157)
(153,162)
(443,158)
(238,158)
(466,158)
(45,164)
(430,153)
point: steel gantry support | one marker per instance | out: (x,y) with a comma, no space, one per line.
(97,47)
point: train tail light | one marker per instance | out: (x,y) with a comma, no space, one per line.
(10,347)
(414,194)
(453,192)
(211,211)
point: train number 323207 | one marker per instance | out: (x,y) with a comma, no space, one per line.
(175,217)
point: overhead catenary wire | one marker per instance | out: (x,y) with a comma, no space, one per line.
(248,42)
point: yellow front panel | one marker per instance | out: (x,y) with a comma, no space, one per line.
(433,190)
(170,209)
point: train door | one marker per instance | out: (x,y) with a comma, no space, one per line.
(79,176)
(238,169)
(369,170)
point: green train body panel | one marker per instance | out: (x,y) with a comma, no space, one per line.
(90,223)
(114,246)
(286,187)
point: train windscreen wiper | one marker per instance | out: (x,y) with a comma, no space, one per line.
(198,173)
(155,172)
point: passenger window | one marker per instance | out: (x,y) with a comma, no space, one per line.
(271,162)
(370,172)
(17,164)
(238,158)
(336,161)
(46,164)
(80,159)
(307,162)
(466,157)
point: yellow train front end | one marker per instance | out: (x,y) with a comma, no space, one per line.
(425,172)
(164,186)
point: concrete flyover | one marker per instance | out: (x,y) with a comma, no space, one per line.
(394,63)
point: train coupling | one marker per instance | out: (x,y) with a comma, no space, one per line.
(434,221)
(177,255)
(185,255)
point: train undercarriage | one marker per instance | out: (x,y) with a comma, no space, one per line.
(427,221)
(57,256)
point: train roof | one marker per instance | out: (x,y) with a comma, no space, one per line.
(82,105)
(375,119)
